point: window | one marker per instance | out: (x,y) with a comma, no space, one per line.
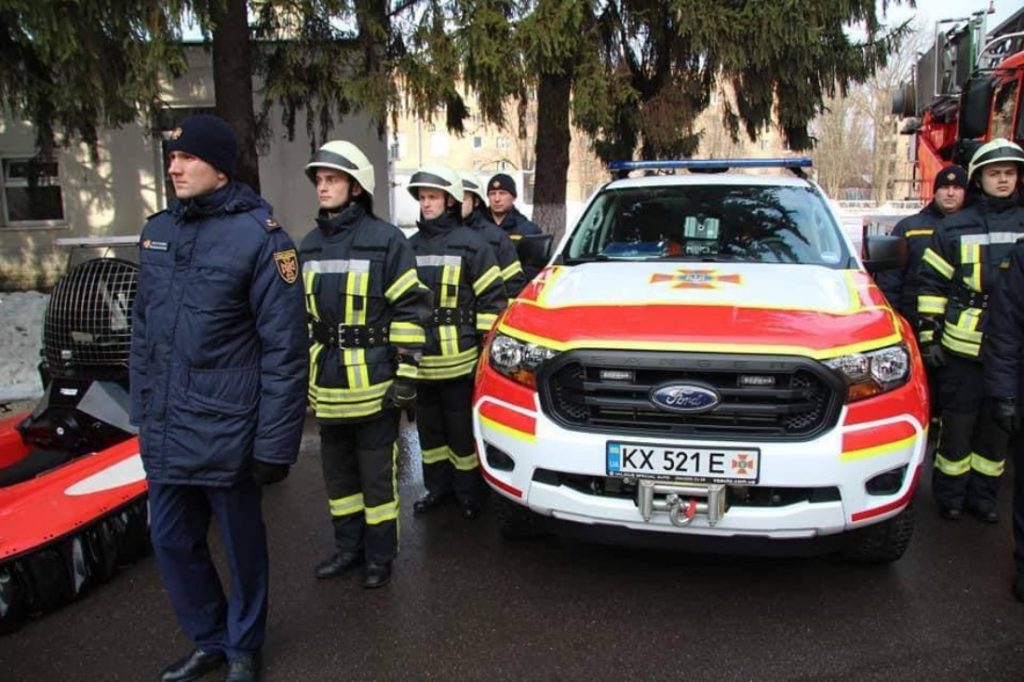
(396,150)
(503,142)
(478,142)
(31,192)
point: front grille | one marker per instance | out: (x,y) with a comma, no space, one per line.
(802,400)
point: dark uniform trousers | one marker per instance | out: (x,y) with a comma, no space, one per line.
(179,524)
(359,471)
(972,448)
(444,419)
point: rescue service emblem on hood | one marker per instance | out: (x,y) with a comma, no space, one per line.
(684,397)
(287,265)
(696,279)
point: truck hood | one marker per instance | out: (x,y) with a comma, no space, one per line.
(711,307)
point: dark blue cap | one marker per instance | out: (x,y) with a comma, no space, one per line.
(208,137)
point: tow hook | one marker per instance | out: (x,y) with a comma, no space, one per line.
(682,501)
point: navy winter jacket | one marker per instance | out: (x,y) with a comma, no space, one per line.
(219,358)
(900,285)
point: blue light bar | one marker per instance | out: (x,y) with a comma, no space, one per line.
(711,164)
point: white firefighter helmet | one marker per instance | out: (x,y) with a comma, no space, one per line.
(343,156)
(471,183)
(437,176)
(999,150)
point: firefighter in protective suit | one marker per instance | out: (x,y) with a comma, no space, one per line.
(365,306)
(474,206)
(960,268)
(459,268)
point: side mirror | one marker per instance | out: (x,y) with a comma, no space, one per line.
(534,250)
(883,252)
(975,103)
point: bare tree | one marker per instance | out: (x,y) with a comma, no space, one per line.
(842,155)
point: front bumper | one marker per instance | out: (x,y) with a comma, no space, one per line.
(873,437)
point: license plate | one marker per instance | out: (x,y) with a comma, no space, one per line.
(707,464)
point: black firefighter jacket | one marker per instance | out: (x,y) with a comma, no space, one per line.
(504,251)
(459,268)
(900,284)
(1004,336)
(365,302)
(961,267)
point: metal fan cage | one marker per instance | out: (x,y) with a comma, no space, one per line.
(87,329)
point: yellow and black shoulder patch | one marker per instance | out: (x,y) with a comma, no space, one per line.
(287,265)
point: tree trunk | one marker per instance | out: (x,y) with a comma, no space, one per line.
(232,81)
(553,141)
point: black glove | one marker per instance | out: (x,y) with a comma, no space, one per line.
(933,355)
(265,473)
(1004,414)
(401,394)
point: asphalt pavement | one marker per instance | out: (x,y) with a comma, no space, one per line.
(465,604)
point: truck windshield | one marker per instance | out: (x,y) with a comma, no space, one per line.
(755,223)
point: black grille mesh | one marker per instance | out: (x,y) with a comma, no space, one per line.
(87,327)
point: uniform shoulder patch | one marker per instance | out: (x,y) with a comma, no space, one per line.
(287,265)
(271,224)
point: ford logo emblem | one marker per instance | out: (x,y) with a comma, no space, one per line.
(684,398)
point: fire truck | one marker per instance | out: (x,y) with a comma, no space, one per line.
(965,90)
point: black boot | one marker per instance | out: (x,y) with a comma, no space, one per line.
(338,563)
(950,513)
(377,575)
(245,668)
(193,666)
(431,501)
(984,512)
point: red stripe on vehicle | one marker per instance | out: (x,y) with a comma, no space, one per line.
(510,418)
(896,504)
(497,483)
(871,437)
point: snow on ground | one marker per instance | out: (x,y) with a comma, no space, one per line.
(21,333)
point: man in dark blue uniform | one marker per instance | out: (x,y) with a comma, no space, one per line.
(502,211)
(218,382)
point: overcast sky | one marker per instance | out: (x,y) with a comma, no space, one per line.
(930,11)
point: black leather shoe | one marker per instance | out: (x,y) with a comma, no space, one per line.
(377,575)
(984,514)
(430,501)
(1018,588)
(244,669)
(950,513)
(337,564)
(193,666)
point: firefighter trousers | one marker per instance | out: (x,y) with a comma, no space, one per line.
(444,419)
(971,455)
(362,489)
(1018,501)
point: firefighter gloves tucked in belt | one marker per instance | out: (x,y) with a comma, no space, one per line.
(264,473)
(401,393)
(1004,414)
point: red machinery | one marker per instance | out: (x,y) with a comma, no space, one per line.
(72,487)
(967,90)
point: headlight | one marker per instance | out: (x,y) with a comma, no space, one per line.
(874,372)
(518,360)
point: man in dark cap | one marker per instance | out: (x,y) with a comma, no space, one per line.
(950,190)
(501,196)
(219,362)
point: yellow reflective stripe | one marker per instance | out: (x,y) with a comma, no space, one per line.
(932,305)
(405,281)
(357,285)
(952,467)
(485,280)
(459,369)
(382,513)
(450,275)
(938,263)
(962,331)
(448,336)
(484,321)
(927,336)
(988,467)
(407,333)
(329,411)
(351,395)
(964,348)
(407,371)
(435,455)
(314,354)
(918,233)
(394,491)
(511,270)
(467,463)
(308,277)
(440,361)
(345,506)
